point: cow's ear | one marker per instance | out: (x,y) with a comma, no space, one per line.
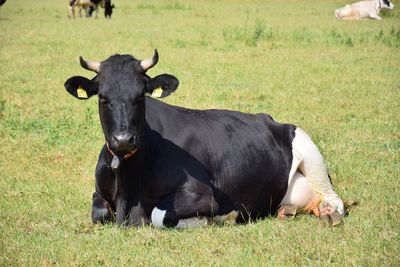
(161,85)
(81,87)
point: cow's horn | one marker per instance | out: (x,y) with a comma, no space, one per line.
(90,65)
(150,62)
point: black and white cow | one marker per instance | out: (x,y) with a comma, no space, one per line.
(178,167)
(89,6)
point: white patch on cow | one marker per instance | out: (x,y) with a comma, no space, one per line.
(157,217)
(308,161)
(192,222)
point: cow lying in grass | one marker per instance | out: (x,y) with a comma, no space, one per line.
(176,167)
(363,10)
(89,6)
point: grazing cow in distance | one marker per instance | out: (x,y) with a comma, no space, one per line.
(89,6)
(176,167)
(108,8)
(363,10)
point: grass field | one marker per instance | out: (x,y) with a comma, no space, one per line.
(291,59)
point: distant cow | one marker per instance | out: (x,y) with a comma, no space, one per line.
(90,4)
(363,10)
(171,166)
(108,8)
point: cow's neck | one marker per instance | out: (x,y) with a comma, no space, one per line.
(127,179)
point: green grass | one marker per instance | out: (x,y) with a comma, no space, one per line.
(338,80)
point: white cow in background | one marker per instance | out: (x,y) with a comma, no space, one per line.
(363,10)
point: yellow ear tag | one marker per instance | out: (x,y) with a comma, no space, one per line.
(81,93)
(157,92)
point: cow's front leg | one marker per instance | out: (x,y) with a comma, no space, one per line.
(80,12)
(71,12)
(103,207)
(374,16)
(129,212)
(87,12)
(311,170)
(185,208)
(102,211)
(97,11)
(137,216)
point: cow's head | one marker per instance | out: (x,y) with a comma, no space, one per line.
(386,4)
(121,84)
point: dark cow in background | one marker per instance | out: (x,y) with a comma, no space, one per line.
(89,6)
(178,167)
(108,8)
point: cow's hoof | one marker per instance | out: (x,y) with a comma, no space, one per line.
(101,210)
(287,212)
(336,218)
(330,214)
(102,215)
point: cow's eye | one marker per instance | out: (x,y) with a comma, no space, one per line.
(104,101)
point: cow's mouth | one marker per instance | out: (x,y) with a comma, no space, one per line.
(119,156)
(123,153)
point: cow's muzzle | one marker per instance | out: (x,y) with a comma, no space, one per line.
(124,141)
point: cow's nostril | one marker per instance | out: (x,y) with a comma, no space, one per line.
(115,139)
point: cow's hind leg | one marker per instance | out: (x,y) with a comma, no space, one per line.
(101,210)
(71,12)
(374,16)
(308,161)
(80,11)
(96,8)
(349,13)
(300,197)
(185,209)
